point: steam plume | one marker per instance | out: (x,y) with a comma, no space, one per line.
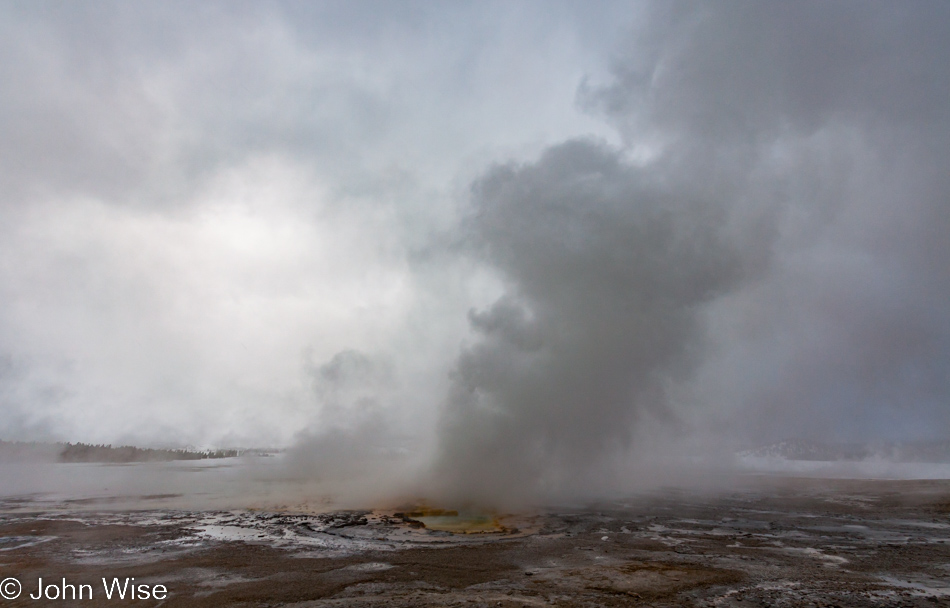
(791,207)
(606,270)
(719,222)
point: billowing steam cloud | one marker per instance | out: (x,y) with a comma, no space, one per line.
(606,269)
(834,116)
(512,243)
(785,237)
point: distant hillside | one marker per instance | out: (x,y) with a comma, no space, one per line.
(21,451)
(803,449)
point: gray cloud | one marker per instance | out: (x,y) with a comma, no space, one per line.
(745,71)
(193,196)
(687,219)
(771,261)
(838,110)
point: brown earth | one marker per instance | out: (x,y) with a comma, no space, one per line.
(780,542)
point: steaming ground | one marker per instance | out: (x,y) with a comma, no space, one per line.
(277,482)
(532,240)
(491,254)
(237,534)
(544,264)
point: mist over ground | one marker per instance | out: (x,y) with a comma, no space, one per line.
(482,252)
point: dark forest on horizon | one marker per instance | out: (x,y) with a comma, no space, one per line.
(84,452)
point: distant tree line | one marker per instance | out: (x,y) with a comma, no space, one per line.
(84,452)
(41,451)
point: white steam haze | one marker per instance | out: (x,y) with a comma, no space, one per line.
(488,250)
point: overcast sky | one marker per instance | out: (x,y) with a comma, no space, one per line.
(519,232)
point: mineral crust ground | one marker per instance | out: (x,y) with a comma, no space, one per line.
(771,542)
